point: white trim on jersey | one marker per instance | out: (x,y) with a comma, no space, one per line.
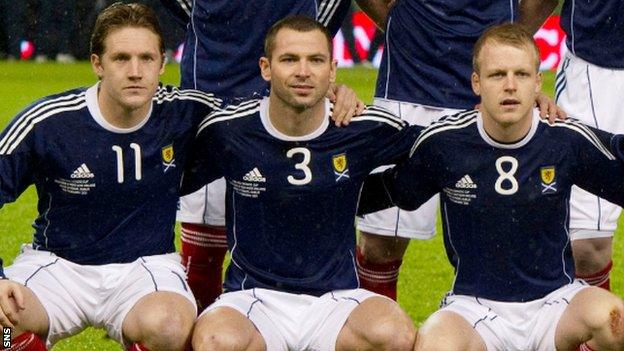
(380,114)
(185,6)
(585,132)
(20,129)
(566,230)
(457,121)
(230,112)
(326,10)
(164,95)
(450,238)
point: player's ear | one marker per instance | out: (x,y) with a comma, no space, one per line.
(538,82)
(333,70)
(476,83)
(163,60)
(96,65)
(265,68)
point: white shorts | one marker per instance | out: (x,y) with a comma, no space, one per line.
(418,224)
(593,95)
(205,206)
(77,296)
(515,326)
(295,321)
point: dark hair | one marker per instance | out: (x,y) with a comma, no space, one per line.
(297,23)
(120,15)
(509,34)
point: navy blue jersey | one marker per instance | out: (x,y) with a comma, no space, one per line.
(225,40)
(428,53)
(505,210)
(106,195)
(595,30)
(291,201)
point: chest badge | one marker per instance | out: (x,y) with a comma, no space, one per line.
(549,179)
(341,166)
(168,158)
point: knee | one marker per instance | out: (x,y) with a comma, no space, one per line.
(166,328)
(382,249)
(212,341)
(392,335)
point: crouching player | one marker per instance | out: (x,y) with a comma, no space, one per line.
(293,180)
(107,163)
(505,177)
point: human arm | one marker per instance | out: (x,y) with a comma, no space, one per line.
(331,13)
(11,302)
(346,104)
(533,13)
(599,168)
(548,109)
(377,10)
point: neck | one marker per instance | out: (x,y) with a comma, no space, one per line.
(507,133)
(119,116)
(295,121)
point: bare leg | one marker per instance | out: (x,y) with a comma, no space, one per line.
(448,331)
(226,329)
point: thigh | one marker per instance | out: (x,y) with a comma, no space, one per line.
(269,312)
(147,275)
(57,287)
(361,320)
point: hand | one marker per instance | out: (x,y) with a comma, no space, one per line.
(548,109)
(11,303)
(346,104)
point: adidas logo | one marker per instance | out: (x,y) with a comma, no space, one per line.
(465,183)
(82,172)
(254,176)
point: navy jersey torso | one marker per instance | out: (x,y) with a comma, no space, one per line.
(225,41)
(291,202)
(505,208)
(105,195)
(595,30)
(428,53)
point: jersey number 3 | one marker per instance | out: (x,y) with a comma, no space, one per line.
(303,165)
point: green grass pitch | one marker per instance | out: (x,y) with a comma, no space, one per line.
(425,275)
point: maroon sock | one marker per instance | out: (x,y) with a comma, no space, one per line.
(380,278)
(26,342)
(203,252)
(601,278)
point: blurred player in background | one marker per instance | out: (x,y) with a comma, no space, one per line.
(590,84)
(424,75)
(293,181)
(107,162)
(221,51)
(505,177)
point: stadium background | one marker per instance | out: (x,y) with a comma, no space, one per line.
(425,275)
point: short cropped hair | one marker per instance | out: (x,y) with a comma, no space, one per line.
(508,34)
(120,15)
(297,23)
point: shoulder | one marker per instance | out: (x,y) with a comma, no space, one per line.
(234,111)
(379,116)
(447,126)
(168,93)
(576,132)
(42,111)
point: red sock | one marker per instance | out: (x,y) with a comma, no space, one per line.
(380,278)
(601,278)
(137,347)
(584,347)
(27,342)
(203,252)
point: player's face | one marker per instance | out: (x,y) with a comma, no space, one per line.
(300,69)
(129,68)
(508,82)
